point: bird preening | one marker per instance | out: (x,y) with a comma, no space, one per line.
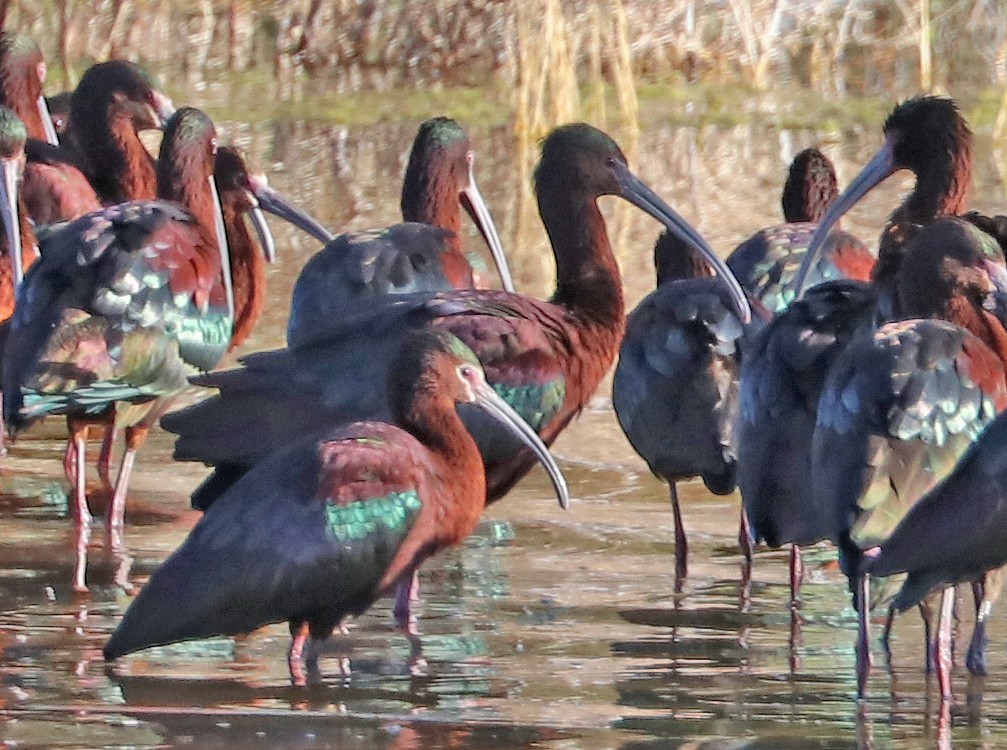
(853,397)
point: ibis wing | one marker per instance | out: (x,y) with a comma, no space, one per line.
(338,376)
(767,262)
(352,268)
(117,308)
(675,389)
(959,530)
(900,407)
(308,535)
(782,373)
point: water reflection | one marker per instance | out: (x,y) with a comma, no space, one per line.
(547,629)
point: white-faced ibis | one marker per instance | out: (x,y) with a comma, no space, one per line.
(124,304)
(102,160)
(767,262)
(903,402)
(22,74)
(675,389)
(325,527)
(544,358)
(19,247)
(424,254)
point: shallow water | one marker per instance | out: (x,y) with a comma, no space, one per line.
(547,629)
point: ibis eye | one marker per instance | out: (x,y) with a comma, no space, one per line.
(467,371)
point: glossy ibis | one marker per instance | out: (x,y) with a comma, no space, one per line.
(767,262)
(675,389)
(785,365)
(123,305)
(424,254)
(325,527)
(903,402)
(102,160)
(544,358)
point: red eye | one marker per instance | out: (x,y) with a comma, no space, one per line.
(467,372)
(213,146)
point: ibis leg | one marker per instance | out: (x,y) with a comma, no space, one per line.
(986,591)
(745,537)
(105,457)
(681,546)
(927,613)
(81,513)
(863,633)
(135,437)
(796,573)
(299,634)
(407,592)
(943,642)
(886,634)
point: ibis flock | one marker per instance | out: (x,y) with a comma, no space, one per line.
(850,394)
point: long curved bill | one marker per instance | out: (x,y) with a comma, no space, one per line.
(263,231)
(473,202)
(225,251)
(272,201)
(8,213)
(47,126)
(640,195)
(880,167)
(500,410)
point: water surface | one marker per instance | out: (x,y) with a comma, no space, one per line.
(546,629)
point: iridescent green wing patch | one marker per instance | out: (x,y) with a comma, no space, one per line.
(358,520)
(537,404)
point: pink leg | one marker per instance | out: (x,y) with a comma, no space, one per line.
(796,574)
(299,634)
(82,514)
(681,546)
(135,437)
(105,457)
(863,634)
(745,537)
(943,643)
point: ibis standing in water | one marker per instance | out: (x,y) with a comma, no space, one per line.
(325,527)
(423,254)
(767,262)
(125,304)
(786,364)
(544,358)
(675,389)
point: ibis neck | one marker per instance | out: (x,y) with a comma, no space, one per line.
(433,420)
(942,189)
(248,275)
(119,166)
(437,204)
(588,283)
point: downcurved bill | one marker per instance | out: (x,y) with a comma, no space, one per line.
(488,400)
(270,200)
(225,251)
(47,125)
(163,107)
(9,171)
(262,230)
(473,202)
(880,167)
(640,195)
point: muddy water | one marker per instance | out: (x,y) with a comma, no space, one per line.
(546,629)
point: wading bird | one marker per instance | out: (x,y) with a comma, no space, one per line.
(323,528)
